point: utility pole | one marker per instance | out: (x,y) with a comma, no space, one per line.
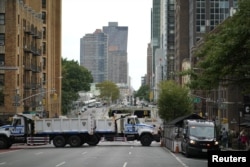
(16,100)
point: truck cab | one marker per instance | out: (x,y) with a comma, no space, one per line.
(17,131)
(130,126)
(199,136)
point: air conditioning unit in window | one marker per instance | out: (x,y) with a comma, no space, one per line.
(1,63)
(1,43)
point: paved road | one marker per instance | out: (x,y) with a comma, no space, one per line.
(106,154)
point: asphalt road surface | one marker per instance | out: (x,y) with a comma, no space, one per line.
(106,154)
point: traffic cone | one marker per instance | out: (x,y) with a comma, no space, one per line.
(177,148)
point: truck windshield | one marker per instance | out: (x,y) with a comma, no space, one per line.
(202,131)
(16,122)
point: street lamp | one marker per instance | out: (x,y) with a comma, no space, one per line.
(18,101)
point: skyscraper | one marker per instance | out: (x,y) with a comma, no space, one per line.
(117,52)
(93,55)
(205,15)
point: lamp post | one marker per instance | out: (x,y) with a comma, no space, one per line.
(18,101)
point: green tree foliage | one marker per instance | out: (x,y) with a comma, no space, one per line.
(143,92)
(108,90)
(174,101)
(224,55)
(75,78)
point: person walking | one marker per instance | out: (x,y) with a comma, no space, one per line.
(244,138)
(224,138)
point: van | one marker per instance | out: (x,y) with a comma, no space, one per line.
(199,137)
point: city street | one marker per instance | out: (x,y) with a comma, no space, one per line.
(105,154)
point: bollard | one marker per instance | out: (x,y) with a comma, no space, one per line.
(177,148)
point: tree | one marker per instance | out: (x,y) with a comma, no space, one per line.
(75,78)
(143,92)
(1,98)
(108,90)
(224,55)
(174,101)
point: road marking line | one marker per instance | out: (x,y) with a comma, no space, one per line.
(179,160)
(84,153)
(60,164)
(2,163)
(125,164)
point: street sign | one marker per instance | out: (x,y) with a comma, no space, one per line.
(247,109)
(197,100)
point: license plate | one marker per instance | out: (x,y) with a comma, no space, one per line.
(204,150)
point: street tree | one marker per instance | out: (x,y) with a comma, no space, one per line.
(108,91)
(224,58)
(75,78)
(143,92)
(173,101)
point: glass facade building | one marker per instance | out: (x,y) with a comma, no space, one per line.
(93,55)
(117,52)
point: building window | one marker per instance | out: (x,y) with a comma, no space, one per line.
(1,90)
(44,79)
(44,17)
(2,39)
(44,47)
(2,19)
(2,57)
(44,63)
(200,15)
(1,80)
(44,32)
(44,4)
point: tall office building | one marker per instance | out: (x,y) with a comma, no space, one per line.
(155,31)
(117,52)
(169,37)
(149,65)
(181,37)
(162,41)
(205,15)
(93,55)
(30,56)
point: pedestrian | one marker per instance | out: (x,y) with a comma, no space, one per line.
(244,138)
(224,138)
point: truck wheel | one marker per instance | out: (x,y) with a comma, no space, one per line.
(4,143)
(93,140)
(74,141)
(59,141)
(146,140)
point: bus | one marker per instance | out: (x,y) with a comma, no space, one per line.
(90,103)
(139,112)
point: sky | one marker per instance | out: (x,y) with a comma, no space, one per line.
(80,17)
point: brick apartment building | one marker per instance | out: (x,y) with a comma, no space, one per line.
(30,56)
